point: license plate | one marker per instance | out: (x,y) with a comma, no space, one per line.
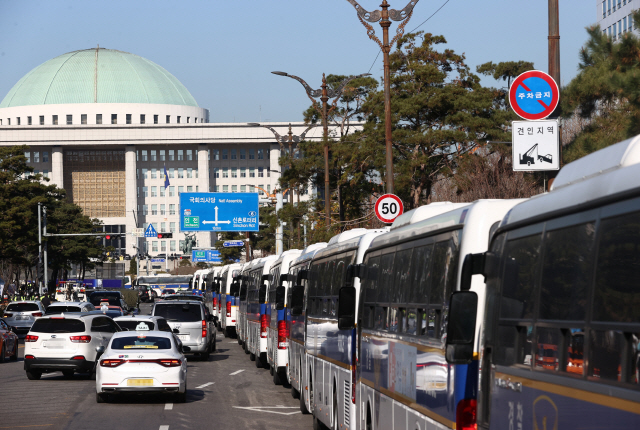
(183,336)
(53,345)
(22,318)
(140,382)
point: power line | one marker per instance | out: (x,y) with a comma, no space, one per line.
(423,22)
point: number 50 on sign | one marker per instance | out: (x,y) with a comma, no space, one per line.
(388,208)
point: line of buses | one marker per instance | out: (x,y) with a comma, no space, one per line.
(496,314)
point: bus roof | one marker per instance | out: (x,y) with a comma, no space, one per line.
(309,252)
(344,242)
(424,212)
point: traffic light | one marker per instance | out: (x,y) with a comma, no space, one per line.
(165,235)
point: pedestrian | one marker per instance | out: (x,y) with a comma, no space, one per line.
(46,301)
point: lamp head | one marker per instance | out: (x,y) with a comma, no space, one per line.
(280,73)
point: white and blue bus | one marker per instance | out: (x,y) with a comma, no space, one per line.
(278,331)
(407,276)
(330,350)
(257,318)
(213,284)
(562,321)
(227,306)
(241,323)
(296,323)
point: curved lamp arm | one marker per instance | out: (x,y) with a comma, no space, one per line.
(374,16)
(401,15)
(338,91)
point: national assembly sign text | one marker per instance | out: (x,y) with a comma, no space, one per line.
(219,212)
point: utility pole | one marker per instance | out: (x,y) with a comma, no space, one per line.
(44,233)
(279,232)
(41,289)
(554,70)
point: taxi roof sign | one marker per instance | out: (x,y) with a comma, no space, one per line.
(534,95)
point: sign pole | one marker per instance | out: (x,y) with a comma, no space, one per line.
(39,244)
(554,69)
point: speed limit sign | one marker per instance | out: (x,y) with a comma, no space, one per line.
(388,208)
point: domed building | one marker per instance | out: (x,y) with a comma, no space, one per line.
(104,124)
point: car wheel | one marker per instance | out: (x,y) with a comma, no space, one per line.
(303,406)
(213,347)
(258,362)
(33,376)
(67,373)
(277,380)
(205,356)
(252,357)
(182,397)
(101,398)
(14,357)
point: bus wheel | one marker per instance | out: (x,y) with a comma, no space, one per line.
(369,425)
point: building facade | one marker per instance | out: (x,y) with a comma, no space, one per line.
(615,17)
(105,125)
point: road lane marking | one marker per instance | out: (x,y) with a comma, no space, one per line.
(164,428)
(205,385)
(168,406)
(266,409)
(236,372)
(21,427)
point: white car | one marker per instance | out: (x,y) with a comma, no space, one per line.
(66,343)
(142,362)
(69,307)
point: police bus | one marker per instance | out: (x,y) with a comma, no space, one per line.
(241,299)
(227,308)
(407,277)
(278,332)
(213,284)
(296,323)
(257,319)
(562,322)
(331,352)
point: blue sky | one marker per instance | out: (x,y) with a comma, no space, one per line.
(224,51)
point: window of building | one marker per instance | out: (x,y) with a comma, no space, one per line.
(41,119)
(114,118)
(162,211)
(208,155)
(260,154)
(234,173)
(252,154)
(172,227)
(54,120)
(144,173)
(630,21)
(614,31)
(216,154)
(128,118)
(243,154)
(243,172)
(153,154)
(619,28)
(172,191)
(269,188)
(171,155)
(188,118)
(162,224)
(155,119)
(154,209)
(252,172)
(178,119)
(45,173)
(225,154)
(145,209)
(195,171)
(145,191)
(216,172)
(260,189)
(172,246)
(189,155)
(217,188)
(154,191)
(233,154)
(172,209)
(162,155)
(154,246)
(144,155)
(45,157)
(225,188)
(181,242)
(98,118)
(162,191)
(69,119)
(225,172)
(180,190)
(196,188)
(180,173)
(234,188)
(142,118)
(189,172)
(163,246)
(180,155)
(168,119)
(29,120)
(243,188)
(83,118)
(260,172)
(28,156)
(189,188)
(36,157)
(604,8)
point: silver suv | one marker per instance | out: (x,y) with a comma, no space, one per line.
(21,315)
(192,323)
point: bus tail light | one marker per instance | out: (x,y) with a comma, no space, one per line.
(466,414)
(264,323)
(204,329)
(228,309)
(215,303)
(283,335)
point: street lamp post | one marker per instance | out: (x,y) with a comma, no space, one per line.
(324,93)
(385,16)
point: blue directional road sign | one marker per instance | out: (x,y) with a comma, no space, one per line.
(157,260)
(205,255)
(233,243)
(219,212)
(534,95)
(150,231)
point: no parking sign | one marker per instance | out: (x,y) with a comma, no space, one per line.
(534,95)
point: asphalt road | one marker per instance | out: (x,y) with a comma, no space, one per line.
(227,391)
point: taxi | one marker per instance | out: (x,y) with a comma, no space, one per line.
(142,361)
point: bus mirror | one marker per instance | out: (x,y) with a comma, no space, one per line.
(235,289)
(283,278)
(303,274)
(262,294)
(297,300)
(461,328)
(280,294)
(473,265)
(346,308)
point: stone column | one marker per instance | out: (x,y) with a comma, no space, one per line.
(204,238)
(274,156)
(57,169)
(131,197)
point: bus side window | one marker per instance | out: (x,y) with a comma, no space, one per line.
(445,269)
(369,291)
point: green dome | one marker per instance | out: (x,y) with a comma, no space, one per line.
(98,76)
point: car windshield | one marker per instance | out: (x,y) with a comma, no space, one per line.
(23,307)
(175,312)
(136,325)
(59,309)
(47,325)
(141,342)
